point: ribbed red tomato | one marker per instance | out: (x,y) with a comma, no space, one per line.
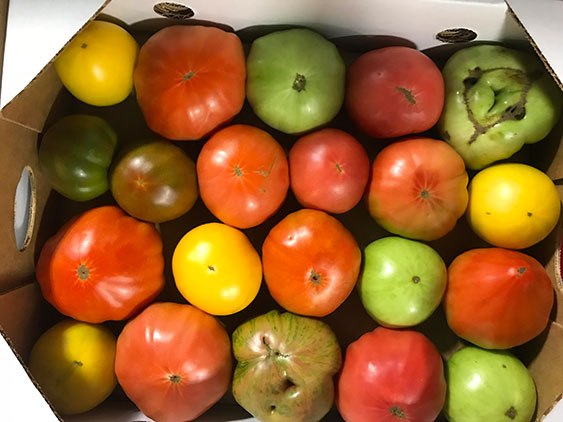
(418,188)
(102,265)
(390,376)
(243,175)
(173,361)
(497,298)
(311,262)
(189,80)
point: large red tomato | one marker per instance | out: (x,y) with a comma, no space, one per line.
(390,376)
(497,298)
(173,361)
(243,175)
(329,170)
(394,91)
(102,265)
(189,80)
(311,262)
(418,188)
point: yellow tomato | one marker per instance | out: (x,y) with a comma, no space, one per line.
(217,269)
(73,363)
(97,65)
(512,205)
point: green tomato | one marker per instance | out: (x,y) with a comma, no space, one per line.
(497,99)
(295,80)
(75,155)
(285,367)
(487,385)
(402,281)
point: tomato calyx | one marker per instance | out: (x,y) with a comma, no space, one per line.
(83,272)
(299,82)
(397,412)
(175,378)
(273,353)
(315,277)
(511,413)
(407,93)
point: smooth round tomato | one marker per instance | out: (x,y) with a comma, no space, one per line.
(389,376)
(154,181)
(217,269)
(513,205)
(173,361)
(394,91)
(73,363)
(97,65)
(329,170)
(243,175)
(102,265)
(418,188)
(311,262)
(189,80)
(497,298)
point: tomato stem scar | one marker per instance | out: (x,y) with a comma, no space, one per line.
(416,279)
(187,76)
(511,413)
(174,378)
(398,412)
(83,272)
(425,194)
(339,168)
(84,45)
(299,82)
(315,277)
(78,363)
(238,171)
(521,270)
(407,93)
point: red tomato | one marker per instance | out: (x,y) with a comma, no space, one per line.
(311,262)
(418,188)
(173,361)
(189,80)
(243,175)
(329,170)
(394,91)
(497,298)
(390,376)
(102,265)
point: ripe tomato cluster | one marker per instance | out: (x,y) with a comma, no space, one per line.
(354,151)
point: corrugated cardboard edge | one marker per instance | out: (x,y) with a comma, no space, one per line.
(5,112)
(536,48)
(9,342)
(550,408)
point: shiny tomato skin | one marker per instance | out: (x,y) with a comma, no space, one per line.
(418,188)
(497,298)
(243,175)
(394,91)
(329,170)
(190,80)
(389,376)
(311,262)
(173,361)
(102,265)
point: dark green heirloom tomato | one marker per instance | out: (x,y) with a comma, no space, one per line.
(295,80)
(488,385)
(154,181)
(497,99)
(75,154)
(285,367)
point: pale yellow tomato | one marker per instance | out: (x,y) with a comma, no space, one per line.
(73,362)
(97,65)
(217,269)
(512,205)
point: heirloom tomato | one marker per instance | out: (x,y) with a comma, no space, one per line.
(311,262)
(102,265)
(329,170)
(418,188)
(497,298)
(189,80)
(390,376)
(243,175)
(173,361)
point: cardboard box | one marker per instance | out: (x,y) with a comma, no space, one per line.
(40,29)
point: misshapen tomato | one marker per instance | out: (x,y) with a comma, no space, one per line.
(418,188)
(243,175)
(389,376)
(394,91)
(311,262)
(102,265)
(189,80)
(497,298)
(173,361)
(329,170)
